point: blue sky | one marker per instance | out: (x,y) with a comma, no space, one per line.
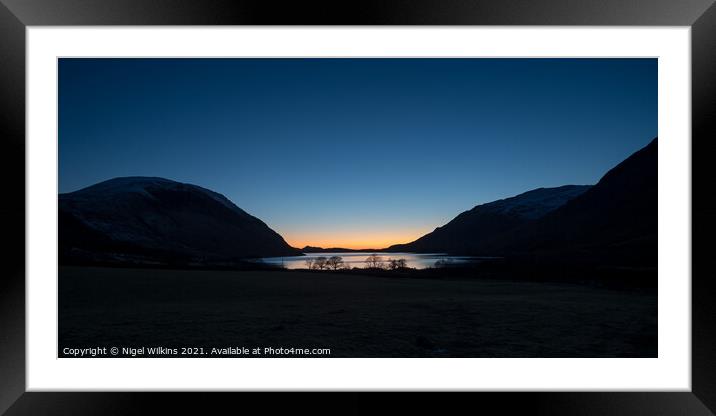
(354,152)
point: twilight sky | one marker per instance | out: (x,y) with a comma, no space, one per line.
(354,153)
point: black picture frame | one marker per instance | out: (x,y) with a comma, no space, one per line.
(16,15)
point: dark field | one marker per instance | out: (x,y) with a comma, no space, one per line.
(353,315)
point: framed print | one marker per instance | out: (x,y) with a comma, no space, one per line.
(480,197)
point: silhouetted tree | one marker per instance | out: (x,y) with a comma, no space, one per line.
(374,261)
(334,263)
(320,263)
(309,263)
(395,264)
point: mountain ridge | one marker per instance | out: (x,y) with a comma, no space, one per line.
(159,220)
(466,230)
(613,222)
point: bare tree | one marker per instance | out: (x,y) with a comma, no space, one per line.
(395,264)
(309,263)
(374,261)
(334,263)
(320,263)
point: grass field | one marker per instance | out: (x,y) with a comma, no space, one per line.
(353,315)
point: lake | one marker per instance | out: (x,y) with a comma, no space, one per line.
(357,259)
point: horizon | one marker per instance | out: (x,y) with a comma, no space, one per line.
(354,153)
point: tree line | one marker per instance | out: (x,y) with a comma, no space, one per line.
(373,261)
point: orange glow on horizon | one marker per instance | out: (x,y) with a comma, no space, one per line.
(354,241)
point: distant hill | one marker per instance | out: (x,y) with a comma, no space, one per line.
(312,249)
(159,221)
(472,230)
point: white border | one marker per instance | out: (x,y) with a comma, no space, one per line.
(671,371)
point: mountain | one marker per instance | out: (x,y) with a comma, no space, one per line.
(616,221)
(156,220)
(470,231)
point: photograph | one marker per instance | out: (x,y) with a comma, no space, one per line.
(357,207)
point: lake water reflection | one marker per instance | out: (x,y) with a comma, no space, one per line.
(353,259)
